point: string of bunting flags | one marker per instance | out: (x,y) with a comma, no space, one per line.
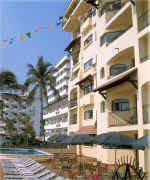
(29,34)
(61,21)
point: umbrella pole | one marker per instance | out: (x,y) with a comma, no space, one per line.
(115,155)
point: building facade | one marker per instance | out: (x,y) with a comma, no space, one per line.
(109,88)
(12,107)
(56,115)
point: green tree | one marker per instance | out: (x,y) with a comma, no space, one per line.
(28,130)
(10,127)
(8,81)
(38,78)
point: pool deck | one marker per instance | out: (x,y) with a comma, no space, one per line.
(38,157)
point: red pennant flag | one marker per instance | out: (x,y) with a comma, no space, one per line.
(36,30)
(51,26)
(43,27)
(5,41)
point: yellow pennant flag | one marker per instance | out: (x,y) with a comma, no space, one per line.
(21,37)
(65,19)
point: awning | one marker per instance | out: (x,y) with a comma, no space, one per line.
(72,43)
(119,79)
(85,130)
(88,77)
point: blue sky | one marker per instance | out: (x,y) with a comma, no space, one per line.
(21,16)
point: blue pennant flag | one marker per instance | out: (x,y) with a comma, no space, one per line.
(60,21)
(93,12)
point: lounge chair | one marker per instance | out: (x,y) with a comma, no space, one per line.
(59,178)
(42,173)
(13,177)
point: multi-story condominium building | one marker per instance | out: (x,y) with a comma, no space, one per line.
(56,115)
(109,88)
(12,107)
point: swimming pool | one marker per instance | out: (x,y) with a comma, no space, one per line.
(21,151)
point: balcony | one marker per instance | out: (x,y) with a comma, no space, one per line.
(122,118)
(76,8)
(144,20)
(73,121)
(112,36)
(73,103)
(2,123)
(87,100)
(111,9)
(71,7)
(146,113)
(145,58)
(120,68)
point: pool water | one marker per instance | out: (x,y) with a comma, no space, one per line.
(20,151)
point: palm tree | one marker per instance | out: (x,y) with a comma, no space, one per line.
(39,77)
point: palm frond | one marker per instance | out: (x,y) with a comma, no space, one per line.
(43,67)
(29,82)
(51,80)
(32,71)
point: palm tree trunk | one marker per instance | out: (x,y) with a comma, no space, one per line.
(41,115)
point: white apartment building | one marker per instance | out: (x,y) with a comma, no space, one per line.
(12,108)
(56,117)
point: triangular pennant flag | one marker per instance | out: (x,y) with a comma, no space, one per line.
(51,26)
(28,34)
(37,30)
(21,37)
(61,18)
(111,6)
(58,23)
(93,12)
(43,27)
(65,19)
(5,41)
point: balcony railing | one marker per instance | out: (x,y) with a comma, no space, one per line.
(73,121)
(73,103)
(123,118)
(121,71)
(74,5)
(112,9)
(145,58)
(146,113)
(112,36)
(144,20)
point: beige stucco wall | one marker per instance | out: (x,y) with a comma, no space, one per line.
(131,45)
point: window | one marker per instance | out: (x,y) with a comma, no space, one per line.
(88,39)
(88,114)
(120,105)
(88,64)
(117,69)
(88,88)
(102,73)
(103,106)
